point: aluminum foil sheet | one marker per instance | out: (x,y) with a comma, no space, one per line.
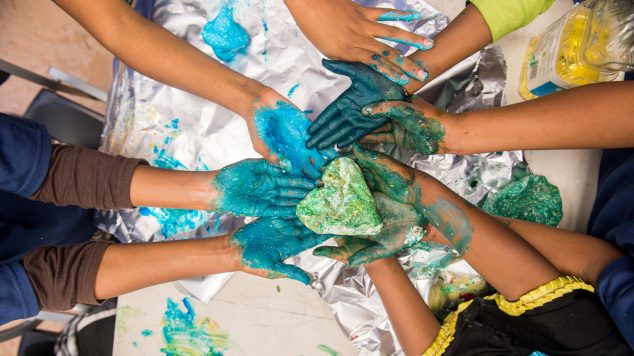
(149,120)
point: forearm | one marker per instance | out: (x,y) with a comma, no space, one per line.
(503,258)
(122,271)
(465,35)
(157,53)
(173,189)
(571,253)
(415,325)
(591,116)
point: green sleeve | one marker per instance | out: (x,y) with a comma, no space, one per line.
(506,16)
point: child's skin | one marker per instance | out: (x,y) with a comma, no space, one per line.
(591,116)
(537,254)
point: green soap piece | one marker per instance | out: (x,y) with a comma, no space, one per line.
(343,206)
(531,198)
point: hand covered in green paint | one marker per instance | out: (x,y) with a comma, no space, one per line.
(278,131)
(264,245)
(418,126)
(342,122)
(254,187)
(402,228)
(388,176)
(343,30)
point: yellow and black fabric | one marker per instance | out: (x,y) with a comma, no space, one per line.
(562,317)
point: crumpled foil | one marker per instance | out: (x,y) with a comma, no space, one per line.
(209,136)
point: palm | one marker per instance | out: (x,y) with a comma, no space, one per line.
(279,130)
(343,122)
(257,188)
(266,243)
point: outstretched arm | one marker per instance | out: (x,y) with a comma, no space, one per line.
(502,257)
(158,54)
(571,253)
(591,116)
(414,323)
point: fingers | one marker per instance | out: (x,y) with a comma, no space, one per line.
(368,255)
(379,163)
(337,137)
(310,170)
(323,136)
(311,240)
(398,63)
(293,193)
(330,113)
(340,254)
(340,67)
(381,14)
(395,34)
(379,138)
(287,182)
(278,211)
(292,272)
(384,65)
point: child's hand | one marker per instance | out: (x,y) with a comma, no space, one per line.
(402,228)
(386,175)
(278,131)
(342,122)
(417,126)
(343,30)
(254,187)
(263,246)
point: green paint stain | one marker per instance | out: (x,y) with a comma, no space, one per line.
(328,350)
(123,314)
(452,222)
(147,332)
(531,198)
(185,334)
(414,131)
(344,205)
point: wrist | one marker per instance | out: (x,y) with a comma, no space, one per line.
(250,92)
(381,265)
(220,251)
(202,193)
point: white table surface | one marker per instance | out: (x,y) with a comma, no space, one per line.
(260,319)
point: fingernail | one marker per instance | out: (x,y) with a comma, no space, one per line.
(422,74)
(368,109)
(429,43)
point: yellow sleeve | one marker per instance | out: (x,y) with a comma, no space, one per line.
(506,16)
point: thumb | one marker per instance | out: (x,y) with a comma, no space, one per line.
(292,272)
(369,254)
(340,67)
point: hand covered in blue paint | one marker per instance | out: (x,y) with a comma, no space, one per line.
(343,122)
(279,130)
(346,31)
(254,187)
(402,229)
(264,245)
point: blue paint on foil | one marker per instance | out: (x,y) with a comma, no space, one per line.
(292,90)
(225,36)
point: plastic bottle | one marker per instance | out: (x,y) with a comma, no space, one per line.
(591,43)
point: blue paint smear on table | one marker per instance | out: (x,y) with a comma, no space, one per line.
(175,221)
(185,334)
(147,332)
(225,36)
(292,90)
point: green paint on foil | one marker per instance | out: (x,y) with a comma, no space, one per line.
(531,198)
(343,206)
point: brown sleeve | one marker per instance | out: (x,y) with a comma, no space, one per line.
(65,276)
(87,178)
